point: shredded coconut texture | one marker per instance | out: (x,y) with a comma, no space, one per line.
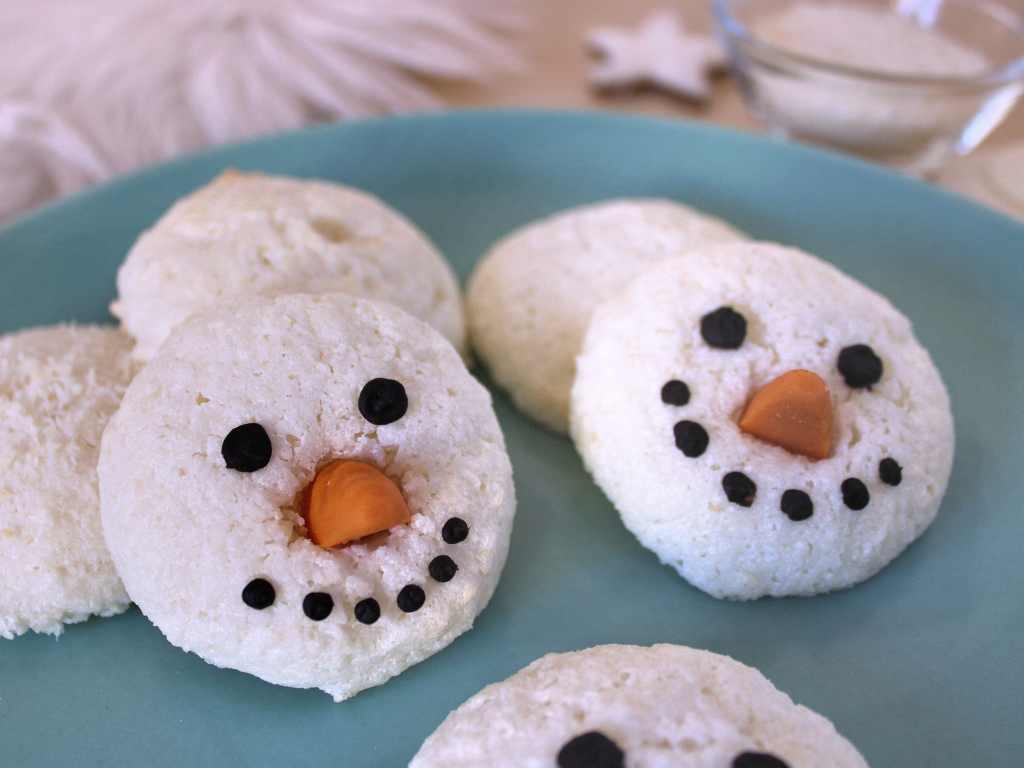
(58,388)
(662,706)
(188,534)
(800,313)
(531,297)
(247,233)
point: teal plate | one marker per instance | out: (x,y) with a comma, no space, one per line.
(922,665)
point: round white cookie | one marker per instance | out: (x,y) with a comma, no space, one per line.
(192,537)
(737,516)
(58,387)
(529,300)
(247,233)
(619,705)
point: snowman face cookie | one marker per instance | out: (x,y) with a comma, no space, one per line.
(619,706)
(225,448)
(764,423)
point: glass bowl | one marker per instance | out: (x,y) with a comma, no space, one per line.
(906,84)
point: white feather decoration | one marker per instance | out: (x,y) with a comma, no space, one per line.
(91,88)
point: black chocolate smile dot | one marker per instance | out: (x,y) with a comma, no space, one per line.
(411,598)
(675,392)
(739,489)
(317,605)
(367,611)
(591,750)
(258,594)
(691,438)
(797,505)
(725,328)
(855,494)
(860,366)
(383,401)
(758,760)
(246,448)
(442,568)
(454,531)
(890,472)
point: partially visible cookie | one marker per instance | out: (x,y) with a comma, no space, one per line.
(215,471)
(247,233)
(58,388)
(618,706)
(764,423)
(529,300)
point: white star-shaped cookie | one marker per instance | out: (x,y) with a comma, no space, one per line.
(660,52)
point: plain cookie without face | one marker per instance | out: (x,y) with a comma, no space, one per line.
(783,359)
(620,706)
(58,388)
(246,233)
(210,469)
(529,300)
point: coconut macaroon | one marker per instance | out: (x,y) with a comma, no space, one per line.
(529,300)
(764,423)
(247,233)
(58,388)
(311,489)
(618,705)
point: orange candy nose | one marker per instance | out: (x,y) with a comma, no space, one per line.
(794,412)
(349,500)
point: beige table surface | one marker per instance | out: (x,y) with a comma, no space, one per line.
(552,41)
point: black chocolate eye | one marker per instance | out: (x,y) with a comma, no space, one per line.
(739,489)
(797,505)
(317,605)
(691,438)
(442,568)
(757,760)
(675,393)
(860,366)
(383,401)
(454,531)
(591,750)
(367,611)
(246,448)
(890,472)
(855,493)
(411,598)
(258,594)
(725,328)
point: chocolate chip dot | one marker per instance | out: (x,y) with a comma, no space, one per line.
(758,760)
(691,438)
(890,472)
(675,392)
(591,750)
(367,611)
(442,568)
(725,328)
(855,494)
(860,366)
(317,605)
(454,531)
(797,505)
(383,401)
(258,594)
(739,489)
(246,448)
(411,598)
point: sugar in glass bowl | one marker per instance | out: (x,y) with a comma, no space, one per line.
(905,83)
